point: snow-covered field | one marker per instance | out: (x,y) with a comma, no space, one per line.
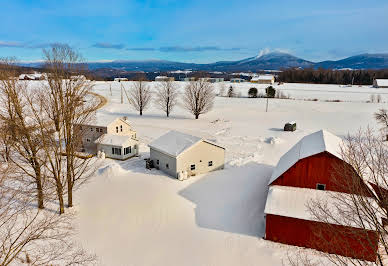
(132,216)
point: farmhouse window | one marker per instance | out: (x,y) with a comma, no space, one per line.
(117,129)
(210,163)
(121,128)
(116,151)
(192,167)
(127,150)
(167,166)
(157,162)
(321,186)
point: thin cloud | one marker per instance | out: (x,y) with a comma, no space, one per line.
(11,44)
(108,45)
(141,49)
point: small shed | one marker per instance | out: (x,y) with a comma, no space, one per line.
(263,79)
(290,126)
(176,153)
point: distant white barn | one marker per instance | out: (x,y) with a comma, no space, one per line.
(164,78)
(263,79)
(380,83)
(177,153)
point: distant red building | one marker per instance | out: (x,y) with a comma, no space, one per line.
(304,174)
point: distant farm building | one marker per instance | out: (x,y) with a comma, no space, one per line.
(380,83)
(176,154)
(35,76)
(305,174)
(164,78)
(213,80)
(115,138)
(188,79)
(120,79)
(264,79)
(237,80)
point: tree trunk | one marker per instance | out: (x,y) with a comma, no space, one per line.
(40,192)
(69,183)
(60,197)
(141,112)
(196,116)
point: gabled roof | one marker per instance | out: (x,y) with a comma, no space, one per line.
(294,202)
(174,143)
(382,82)
(315,143)
(106,121)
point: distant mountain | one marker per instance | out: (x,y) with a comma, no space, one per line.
(363,61)
(269,61)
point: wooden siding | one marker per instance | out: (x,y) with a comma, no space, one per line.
(341,240)
(322,168)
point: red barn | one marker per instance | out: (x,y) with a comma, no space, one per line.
(303,175)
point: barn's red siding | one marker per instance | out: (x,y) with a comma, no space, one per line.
(302,233)
(321,168)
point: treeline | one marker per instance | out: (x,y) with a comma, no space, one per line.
(329,76)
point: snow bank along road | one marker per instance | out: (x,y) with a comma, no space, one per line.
(128,215)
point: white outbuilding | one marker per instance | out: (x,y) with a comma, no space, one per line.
(380,83)
(179,154)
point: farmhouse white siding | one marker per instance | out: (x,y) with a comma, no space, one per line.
(176,152)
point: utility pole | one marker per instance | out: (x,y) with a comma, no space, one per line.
(110,88)
(121,93)
(266,108)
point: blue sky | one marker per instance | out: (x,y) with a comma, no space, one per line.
(194,30)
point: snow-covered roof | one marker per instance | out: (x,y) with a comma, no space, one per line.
(382,82)
(296,203)
(263,77)
(111,139)
(309,145)
(104,121)
(174,143)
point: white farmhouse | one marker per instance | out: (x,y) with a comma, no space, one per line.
(263,79)
(176,153)
(114,137)
(380,83)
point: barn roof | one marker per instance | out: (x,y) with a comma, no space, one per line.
(309,145)
(174,143)
(382,82)
(297,203)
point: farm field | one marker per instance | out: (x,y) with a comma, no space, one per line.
(129,215)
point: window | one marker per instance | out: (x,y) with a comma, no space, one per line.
(97,129)
(157,162)
(192,167)
(117,129)
(116,151)
(121,128)
(210,163)
(91,129)
(321,186)
(167,166)
(127,150)
(87,140)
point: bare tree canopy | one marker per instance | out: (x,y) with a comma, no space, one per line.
(199,97)
(166,96)
(140,95)
(382,118)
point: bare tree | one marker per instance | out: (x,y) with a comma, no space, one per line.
(199,97)
(66,107)
(33,236)
(363,210)
(166,96)
(382,118)
(19,136)
(140,95)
